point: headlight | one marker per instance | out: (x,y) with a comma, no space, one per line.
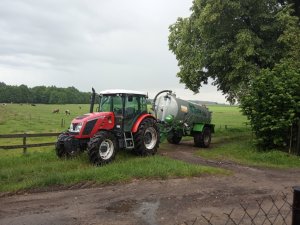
(75,127)
(78,128)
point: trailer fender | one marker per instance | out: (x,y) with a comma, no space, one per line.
(198,127)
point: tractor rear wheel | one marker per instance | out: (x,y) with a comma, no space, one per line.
(203,139)
(174,138)
(102,148)
(146,138)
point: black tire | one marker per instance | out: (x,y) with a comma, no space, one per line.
(146,139)
(102,148)
(174,138)
(203,139)
(60,146)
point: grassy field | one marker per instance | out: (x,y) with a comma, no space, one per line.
(235,143)
(40,167)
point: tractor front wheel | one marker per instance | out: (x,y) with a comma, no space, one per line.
(63,148)
(147,138)
(102,148)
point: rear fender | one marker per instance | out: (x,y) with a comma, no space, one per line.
(137,123)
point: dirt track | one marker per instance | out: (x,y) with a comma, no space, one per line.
(173,201)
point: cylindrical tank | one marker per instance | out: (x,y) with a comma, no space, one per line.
(185,111)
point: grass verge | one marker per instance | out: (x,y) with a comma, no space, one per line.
(238,147)
(43,169)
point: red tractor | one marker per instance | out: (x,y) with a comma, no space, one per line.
(121,122)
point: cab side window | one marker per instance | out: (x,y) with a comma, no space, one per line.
(117,105)
(131,106)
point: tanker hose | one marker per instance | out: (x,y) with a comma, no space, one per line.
(156,96)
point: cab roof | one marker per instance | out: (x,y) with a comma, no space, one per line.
(122,91)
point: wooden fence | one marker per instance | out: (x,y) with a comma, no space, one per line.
(24,137)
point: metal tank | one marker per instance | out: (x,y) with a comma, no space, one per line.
(178,118)
(180,110)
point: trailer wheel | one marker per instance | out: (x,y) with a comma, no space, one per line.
(102,148)
(203,139)
(146,138)
(174,138)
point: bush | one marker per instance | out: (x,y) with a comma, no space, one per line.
(272,104)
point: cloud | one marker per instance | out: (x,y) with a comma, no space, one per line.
(105,44)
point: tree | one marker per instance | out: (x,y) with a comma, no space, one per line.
(272,100)
(42,94)
(230,41)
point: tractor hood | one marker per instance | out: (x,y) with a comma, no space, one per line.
(88,124)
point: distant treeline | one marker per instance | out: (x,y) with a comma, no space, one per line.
(42,95)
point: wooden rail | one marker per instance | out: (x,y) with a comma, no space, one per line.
(24,137)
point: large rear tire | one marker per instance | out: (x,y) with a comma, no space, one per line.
(102,148)
(146,138)
(203,139)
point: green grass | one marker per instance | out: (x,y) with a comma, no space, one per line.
(42,169)
(238,147)
(17,118)
(236,142)
(229,116)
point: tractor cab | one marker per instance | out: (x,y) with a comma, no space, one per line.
(126,105)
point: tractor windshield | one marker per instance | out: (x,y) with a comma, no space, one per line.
(111,103)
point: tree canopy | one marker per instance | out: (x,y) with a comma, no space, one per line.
(251,50)
(230,41)
(272,100)
(41,94)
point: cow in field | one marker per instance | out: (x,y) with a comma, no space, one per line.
(55,111)
(67,112)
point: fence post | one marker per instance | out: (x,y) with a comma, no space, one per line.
(24,143)
(296,206)
(62,124)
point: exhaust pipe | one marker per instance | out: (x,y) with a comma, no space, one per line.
(92,102)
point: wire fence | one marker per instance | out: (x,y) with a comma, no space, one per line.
(272,210)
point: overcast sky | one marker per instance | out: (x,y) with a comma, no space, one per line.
(103,44)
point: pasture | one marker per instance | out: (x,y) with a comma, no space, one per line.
(41,168)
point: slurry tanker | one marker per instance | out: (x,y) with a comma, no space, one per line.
(178,118)
(122,121)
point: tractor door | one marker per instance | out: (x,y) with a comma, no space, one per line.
(135,106)
(113,103)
